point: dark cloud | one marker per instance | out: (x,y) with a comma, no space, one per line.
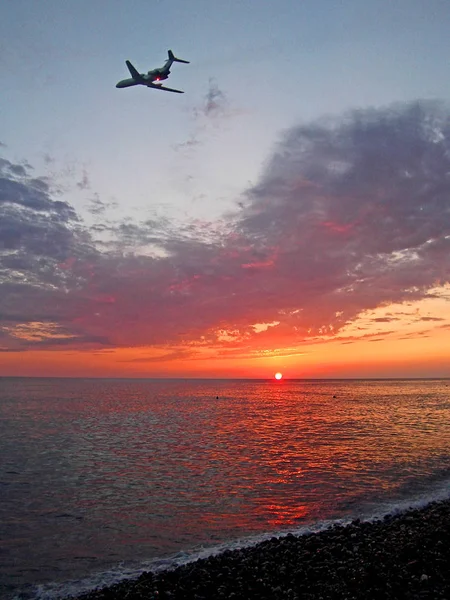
(351,214)
(211,111)
(39,238)
(81,341)
(10,169)
(168,356)
(415,335)
(190,143)
(215,101)
(358,210)
(431,319)
(32,194)
(384,319)
(84,182)
(97,206)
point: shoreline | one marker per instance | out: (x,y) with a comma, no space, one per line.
(406,555)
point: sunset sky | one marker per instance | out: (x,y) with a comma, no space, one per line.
(290,212)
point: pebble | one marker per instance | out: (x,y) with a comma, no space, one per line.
(362,561)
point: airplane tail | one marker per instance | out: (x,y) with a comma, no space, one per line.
(175,59)
(134,73)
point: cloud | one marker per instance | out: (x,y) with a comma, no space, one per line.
(349,215)
(38,235)
(213,109)
(215,101)
(97,207)
(384,319)
(167,356)
(431,319)
(357,209)
(8,168)
(84,182)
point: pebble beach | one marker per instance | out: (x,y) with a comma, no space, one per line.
(399,556)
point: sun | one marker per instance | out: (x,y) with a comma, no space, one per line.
(278,375)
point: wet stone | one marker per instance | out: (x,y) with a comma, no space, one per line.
(402,556)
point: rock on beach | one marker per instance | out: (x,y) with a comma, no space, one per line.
(398,557)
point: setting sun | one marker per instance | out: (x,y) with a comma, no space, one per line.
(278,375)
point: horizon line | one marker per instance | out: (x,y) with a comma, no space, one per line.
(280,381)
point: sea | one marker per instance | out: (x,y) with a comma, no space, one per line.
(101,479)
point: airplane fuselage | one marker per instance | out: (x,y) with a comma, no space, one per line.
(146,79)
(151,78)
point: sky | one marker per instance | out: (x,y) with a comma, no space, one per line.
(289,212)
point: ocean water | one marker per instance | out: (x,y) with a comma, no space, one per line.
(101,479)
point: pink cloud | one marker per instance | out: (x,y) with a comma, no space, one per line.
(348,216)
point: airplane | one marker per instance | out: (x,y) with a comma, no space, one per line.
(152,76)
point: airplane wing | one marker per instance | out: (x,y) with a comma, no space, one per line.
(162,87)
(134,72)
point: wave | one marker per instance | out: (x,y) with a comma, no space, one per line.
(366,513)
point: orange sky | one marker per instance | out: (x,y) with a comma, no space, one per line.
(366,348)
